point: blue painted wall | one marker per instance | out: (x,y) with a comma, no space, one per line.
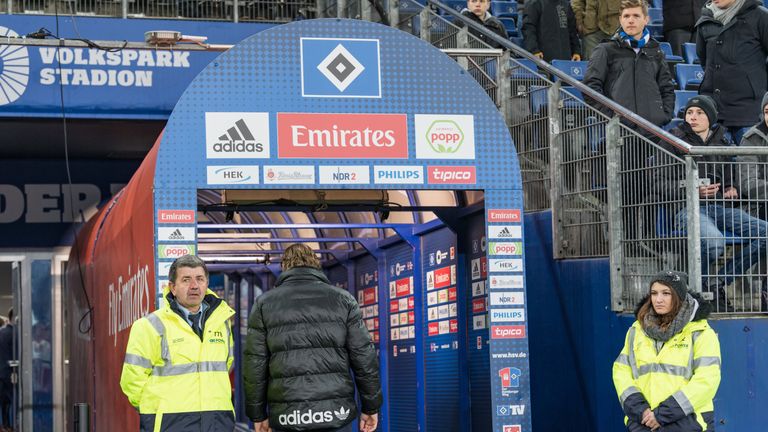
(574,338)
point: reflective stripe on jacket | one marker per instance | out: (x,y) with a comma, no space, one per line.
(678,382)
(177,381)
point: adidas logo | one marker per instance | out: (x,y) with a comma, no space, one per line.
(238,138)
(297,417)
(505,233)
(176,235)
(341,414)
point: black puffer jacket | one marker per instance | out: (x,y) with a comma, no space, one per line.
(491,23)
(681,14)
(640,82)
(733,58)
(303,337)
(549,27)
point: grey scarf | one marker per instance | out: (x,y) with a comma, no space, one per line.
(726,15)
(684,316)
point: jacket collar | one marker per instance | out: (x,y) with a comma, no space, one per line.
(652,43)
(755,130)
(687,133)
(302,273)
(707,16)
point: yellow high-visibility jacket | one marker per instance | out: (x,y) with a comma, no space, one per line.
(175,379)
(678,382)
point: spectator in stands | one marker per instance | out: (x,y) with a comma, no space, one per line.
(680,17)
(732,45)
(596,20)
(717,214)
(669,389)
(477,11)
(549,30)
(630,68)
(7,335)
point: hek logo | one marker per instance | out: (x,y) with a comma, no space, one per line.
(297,418)
(236,135)
(14,69)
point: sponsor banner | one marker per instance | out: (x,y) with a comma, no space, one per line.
(369,296)
(342,136)
(442,296)
(289,174)
(508,332)
(506,265)
(444,136)
(358,174)
(340,68)
(403,318)
(478,322)
(475,266)
(433,329)
(411,174)
(478,305)
(412,335)
(510,410)
(478,288)
(505,215)
(394,320)
(454,325)
(432,314)
(236,135)
(410,302)
(505,282)
(411,317)
(430,280)
(175,251)
(402,304)
(451,175)
(508,298)
(232,174)
(394,306)
(163,268)
(403,287)
(403,333)
(451,294)
(375,335)
(392,289)
(505,231)
(508,315)
(444,327)
(394,334)
(442,312)
(483,267)
(510,379)
(505,248)
(512,428)
(432,298)
(453,310)
(175,234)
(443,277)
(176,216)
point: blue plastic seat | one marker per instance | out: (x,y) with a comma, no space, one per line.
(457,5)
(502,9)
(689,76)
(657,31)
(517,40)
(656,15)
(527,71)
(681,98)
(666,48)
(510,25)
(576,69)
(689,52)
(539,99)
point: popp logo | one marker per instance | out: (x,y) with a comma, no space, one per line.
(445,136)
(451,175)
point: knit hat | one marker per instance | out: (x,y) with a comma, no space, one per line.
(707,104)
(678,281)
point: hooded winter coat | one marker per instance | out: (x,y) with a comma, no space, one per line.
(640,82)
(491,23)
(733,58)
(549,27)
(304,336)
(753,180)
(677,382)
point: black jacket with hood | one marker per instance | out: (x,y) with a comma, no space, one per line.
(753,179)
(491,23)
(549,27)
(733,58)
(640,82)
(304,336)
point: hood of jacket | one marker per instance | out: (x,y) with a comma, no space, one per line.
(703,312)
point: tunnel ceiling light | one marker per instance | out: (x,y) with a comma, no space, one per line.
(239,259)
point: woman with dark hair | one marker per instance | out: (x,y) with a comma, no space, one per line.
(669,369)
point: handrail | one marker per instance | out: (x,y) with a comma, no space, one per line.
(585,90)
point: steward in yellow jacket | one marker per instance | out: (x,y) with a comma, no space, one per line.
(176,368)
(669,369)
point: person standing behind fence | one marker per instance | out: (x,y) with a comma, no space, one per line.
(7,354)
(718,213)
(669,368)
(477,11)
(732,45)
(304,336)
(596,20)
(549,30)
(630,68)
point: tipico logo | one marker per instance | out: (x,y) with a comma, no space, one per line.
(14,69)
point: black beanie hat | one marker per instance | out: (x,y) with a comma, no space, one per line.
(707,104)
(678,281)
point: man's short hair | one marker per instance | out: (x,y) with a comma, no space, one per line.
(628,4)
(299,255)
(191,261)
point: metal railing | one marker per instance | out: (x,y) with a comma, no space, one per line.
(215,10)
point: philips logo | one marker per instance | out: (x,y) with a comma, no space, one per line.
(504,315)
(398,174)
(236,135)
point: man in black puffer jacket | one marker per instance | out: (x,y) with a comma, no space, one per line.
(303,337)
(477,11)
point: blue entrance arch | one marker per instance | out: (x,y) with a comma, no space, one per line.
(344,104)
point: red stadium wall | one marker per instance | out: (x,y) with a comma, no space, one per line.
(114,263)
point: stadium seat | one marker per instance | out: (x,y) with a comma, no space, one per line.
(575,69)
(675,122)
(457,5)
(656,31)
(572,102)
(689,76)
(509,24)
(659,4)
(527,71)
(517,40)
(504,9)
(655,15)
(689,52)
(539,99)
(666,48)
(681,98)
